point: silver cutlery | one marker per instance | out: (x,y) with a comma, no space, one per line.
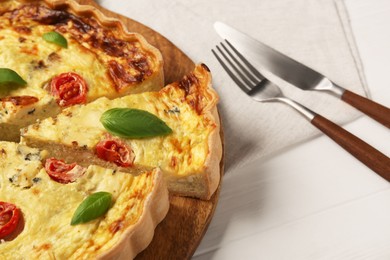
(298,74)
(259,88)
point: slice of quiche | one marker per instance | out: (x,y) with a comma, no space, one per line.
(39,203)
(189,156)
(100,59)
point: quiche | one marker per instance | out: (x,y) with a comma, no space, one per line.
(38,202)
(66,54)
(189,156)
(101,140)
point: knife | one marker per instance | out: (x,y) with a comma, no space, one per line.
(298,74)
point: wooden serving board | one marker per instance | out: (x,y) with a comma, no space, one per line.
(180,233)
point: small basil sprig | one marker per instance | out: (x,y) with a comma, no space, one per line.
(56,38)
(133,123)
(94,206)
(8,76)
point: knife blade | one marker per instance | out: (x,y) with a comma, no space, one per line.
(299,74)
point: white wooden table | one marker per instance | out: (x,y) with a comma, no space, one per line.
(315,201)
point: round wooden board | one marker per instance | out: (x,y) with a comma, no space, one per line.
(180,233)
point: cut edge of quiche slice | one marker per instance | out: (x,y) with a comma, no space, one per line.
(139,203)
(109,60)
(189,157)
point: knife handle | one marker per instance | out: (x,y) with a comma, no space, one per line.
(371,157)
(374,110)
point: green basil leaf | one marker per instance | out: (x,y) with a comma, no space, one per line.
(133,123)
(94,206)
(8,76)
(56,38)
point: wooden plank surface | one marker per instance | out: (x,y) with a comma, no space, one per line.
(180,233)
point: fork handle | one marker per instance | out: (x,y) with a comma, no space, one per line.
(364,152)
(374,110)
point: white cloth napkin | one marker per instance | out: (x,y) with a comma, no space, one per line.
(315,33)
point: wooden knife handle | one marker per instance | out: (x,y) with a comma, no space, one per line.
(364,152)
(374,110)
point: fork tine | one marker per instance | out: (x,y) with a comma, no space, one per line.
(247,63)
(245,71)
(239,83)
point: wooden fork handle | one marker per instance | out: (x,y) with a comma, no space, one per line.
(364,152)
(374,110)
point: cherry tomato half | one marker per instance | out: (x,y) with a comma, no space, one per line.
(61,172)
(69,89)
(116,152)
(9,218)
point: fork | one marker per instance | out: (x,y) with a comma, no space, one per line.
(259,88)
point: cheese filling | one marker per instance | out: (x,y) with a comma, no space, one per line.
(48,206)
